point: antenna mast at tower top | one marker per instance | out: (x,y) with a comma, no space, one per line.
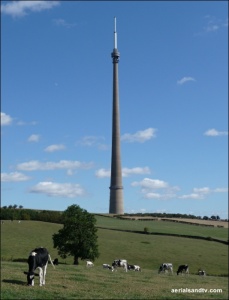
(115,34)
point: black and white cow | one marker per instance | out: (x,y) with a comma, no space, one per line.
(201,272)
(183,269)
(107,266)
(166,267)
(38,258)
(120,263)
(134,267)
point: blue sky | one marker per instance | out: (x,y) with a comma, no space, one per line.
(56,105)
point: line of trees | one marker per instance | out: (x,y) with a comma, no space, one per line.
(173,215)
(14,212)
(17,212)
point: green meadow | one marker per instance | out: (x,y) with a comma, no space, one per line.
(67,281)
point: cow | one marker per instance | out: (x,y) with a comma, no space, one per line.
(183,269)
(120,263)
(56,262)
(201,272)
(166,267)
(38,258)
(106,266)
(89,264)
(134,267)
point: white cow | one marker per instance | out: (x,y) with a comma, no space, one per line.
(90,264)
(137,268)
(134,267)
(166,267)
(106,266)
(120,263)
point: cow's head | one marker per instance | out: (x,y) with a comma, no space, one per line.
(161,269)
(30,278)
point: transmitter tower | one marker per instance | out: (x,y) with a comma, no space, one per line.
(116,188)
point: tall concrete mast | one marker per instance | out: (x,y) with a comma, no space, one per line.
(116,188)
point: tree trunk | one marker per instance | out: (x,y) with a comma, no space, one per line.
(76,260)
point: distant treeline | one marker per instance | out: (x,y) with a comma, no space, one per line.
(171,215)
(15,212)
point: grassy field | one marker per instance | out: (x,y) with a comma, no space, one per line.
(148,251)
(163,227)
(71,282)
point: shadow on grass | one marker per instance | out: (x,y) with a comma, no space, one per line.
(20,260)
(19,282)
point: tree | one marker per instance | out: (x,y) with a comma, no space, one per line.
(78,236)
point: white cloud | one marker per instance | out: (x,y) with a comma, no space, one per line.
(204,190)
(221,190)
(89,140)
(22,8)
(93,141)
(22,123)
(212,25)
(5,119)
(13,177)
(201,193)
(35,165)
(148,183)
(53,148)
(214,132)
(102,173)
(185,79)
(63,23)
(153,196)
(34,138)
(135,171)
(156,189)
(192,196)
(139,136)
(53,189)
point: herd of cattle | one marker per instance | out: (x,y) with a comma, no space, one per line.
(38,259)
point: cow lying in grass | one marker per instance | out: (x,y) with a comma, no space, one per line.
(38,259)
(106,266)
(134,268)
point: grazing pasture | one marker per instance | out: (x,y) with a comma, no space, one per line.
(149,251)
(163,227)
(71,282)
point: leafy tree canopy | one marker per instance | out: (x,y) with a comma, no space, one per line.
(78,236)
